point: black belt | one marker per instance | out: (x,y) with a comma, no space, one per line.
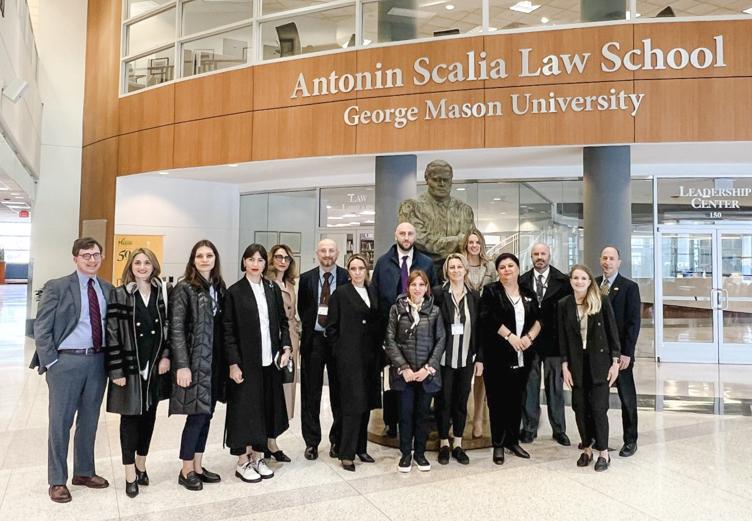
(87,352)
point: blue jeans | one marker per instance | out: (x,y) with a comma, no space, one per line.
(414,411)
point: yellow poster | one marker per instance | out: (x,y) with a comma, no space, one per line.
(125,244)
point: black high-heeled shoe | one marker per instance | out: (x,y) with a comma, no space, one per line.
(518,451)
(142,478)
(131,489)
(278,455)
(366,458)
(498,455)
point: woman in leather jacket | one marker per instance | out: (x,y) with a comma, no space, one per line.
(137,360)
(195,336)
(415,338)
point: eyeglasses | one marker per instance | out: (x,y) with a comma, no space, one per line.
(282,258)
(89,256)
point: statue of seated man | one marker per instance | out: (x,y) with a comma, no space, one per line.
(441,221)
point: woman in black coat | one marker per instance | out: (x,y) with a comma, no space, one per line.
(459,309)
(257,347)
(137,360)
(509,324)
(415,341)
(589,339)
(352,328)
(195,337)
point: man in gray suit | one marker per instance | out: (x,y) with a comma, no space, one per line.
(69,333)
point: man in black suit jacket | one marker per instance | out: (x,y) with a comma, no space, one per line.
(548,285)
(624,295)
(69,336)
(315,288)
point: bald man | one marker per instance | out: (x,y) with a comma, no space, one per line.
(315,288)
(390,280)
(547,286)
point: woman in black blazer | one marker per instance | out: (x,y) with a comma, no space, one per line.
(459,309)
(590,352)
(509,324)
(257,345)
(352,328)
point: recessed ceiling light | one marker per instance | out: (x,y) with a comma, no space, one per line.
(460,189)
(232,165)
(449,7)
(524,7)
(497,198)
(746,11)
(4,188)
(328,207)
(164,173)
(544,20)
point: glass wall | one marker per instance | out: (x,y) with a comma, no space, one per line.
(192,37)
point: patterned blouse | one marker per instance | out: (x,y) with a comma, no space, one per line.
(479,276)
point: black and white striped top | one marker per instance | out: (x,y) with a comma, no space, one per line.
(458,353)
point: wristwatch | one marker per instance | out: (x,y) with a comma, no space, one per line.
(507,337)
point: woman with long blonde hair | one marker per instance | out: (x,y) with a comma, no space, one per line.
(590,352)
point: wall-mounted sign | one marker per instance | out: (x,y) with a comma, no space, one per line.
(704,199)
(125,244)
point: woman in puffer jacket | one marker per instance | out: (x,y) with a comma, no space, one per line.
(415,339)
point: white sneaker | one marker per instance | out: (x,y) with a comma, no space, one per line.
(247,473)
(263,469)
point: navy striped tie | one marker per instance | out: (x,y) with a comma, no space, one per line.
(95,317)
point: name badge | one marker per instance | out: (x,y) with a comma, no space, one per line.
(458,329)
(323,310)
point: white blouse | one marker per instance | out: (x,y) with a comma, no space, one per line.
(363,292)
(263,313)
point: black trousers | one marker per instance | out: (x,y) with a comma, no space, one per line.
(628,395)
(354,435)
(414,414)
(590,404)
(390,410)
(451,401)
(505,389)
(135,434)
(313,362)
(554,384)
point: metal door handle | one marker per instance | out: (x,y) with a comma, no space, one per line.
(725,303)
(715,298)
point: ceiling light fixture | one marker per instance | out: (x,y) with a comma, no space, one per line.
(366,42)
(164,173)
(544,20)
(460,189)
(524,7)
(232,165)
(410,13)
(497,198)
(449,7)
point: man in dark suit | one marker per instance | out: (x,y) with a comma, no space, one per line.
(390,280)
(69,333)
(548,285)
(315,288)
(624,295)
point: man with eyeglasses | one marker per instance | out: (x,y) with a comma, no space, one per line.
(315,288)
(69,334)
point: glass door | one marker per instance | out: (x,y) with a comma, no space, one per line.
(705,295)
(689,307)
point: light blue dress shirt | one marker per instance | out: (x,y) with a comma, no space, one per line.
(332,287)
(81,338)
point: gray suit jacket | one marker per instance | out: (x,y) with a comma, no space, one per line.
(58,316)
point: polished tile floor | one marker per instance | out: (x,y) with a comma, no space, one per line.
(689,466)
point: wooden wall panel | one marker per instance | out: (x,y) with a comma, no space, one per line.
(557,42)
(422,134)
(737,38)
(315,130)
(146,151)
(214,141)
(152,108)
(214,95)
(103,70)
(441,51)
(560,128)
(98,174)
(275,82)
(714,109)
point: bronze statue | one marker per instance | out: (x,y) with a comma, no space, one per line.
(441,221)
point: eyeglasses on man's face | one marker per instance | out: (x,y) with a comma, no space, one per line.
(89,256)
(282,258)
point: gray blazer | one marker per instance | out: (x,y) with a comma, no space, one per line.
(58,316)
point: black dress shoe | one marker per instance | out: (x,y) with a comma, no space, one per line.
(208,477)
(584,460)
(142,478)
(444,453)
(278,456)
(391,431)
(366,458)
(527,437)
(518,451)
(498,455)
(311,453)
(562,439)
(348,465)
(460,455)
(191,481)
(602,464)
(131,489)
(628,450)
(333,452)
